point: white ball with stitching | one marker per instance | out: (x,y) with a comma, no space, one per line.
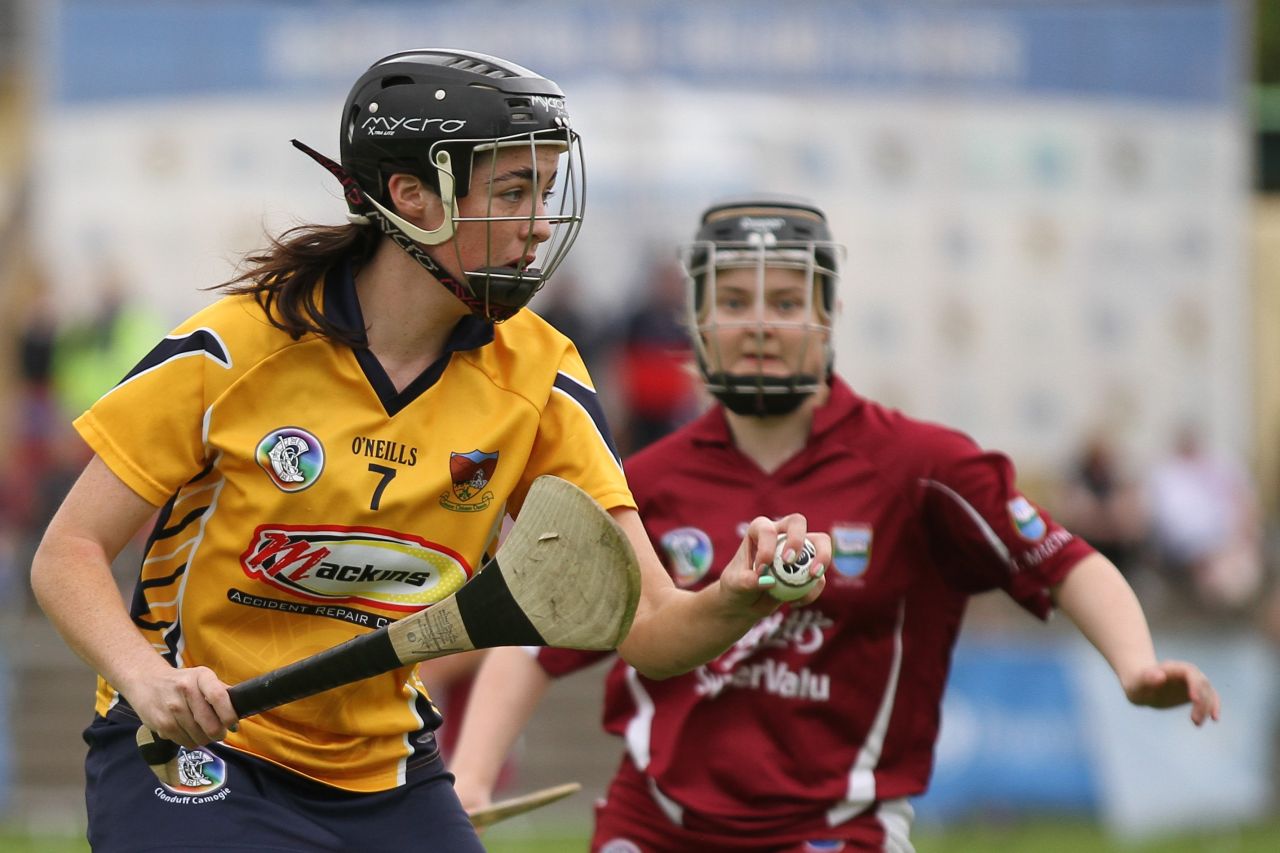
(793,580)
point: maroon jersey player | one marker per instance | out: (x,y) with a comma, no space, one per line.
(818,726)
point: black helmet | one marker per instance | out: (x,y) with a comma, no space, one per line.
(410,106)
(428,112)
(762,232)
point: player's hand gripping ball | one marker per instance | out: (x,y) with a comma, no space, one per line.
(794,580)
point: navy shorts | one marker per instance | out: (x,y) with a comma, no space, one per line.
(249,804)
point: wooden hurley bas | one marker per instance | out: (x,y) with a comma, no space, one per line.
(503,809)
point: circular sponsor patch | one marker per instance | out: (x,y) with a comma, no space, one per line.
(1026,519)
(690,553)
(200,771)
(293,458)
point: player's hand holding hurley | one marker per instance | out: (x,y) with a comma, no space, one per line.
(745,580)
(187,706)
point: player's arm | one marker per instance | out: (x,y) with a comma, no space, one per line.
(507,688)
(676,630)
(439,675)
(72,580)
(1103,606)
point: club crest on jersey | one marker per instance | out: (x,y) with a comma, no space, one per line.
(293,458)
(851,548)
(1026,519)
(354,565)
(470,473)
(200,773)
(690,553)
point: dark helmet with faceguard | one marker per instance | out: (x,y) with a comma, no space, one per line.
(762,233)
(411,106)
(434,113)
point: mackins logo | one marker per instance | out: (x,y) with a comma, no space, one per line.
(470,473)
(1026,518)
(354,565)
(690,552)
(293,458)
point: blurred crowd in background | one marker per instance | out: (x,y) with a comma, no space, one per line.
(1173,471)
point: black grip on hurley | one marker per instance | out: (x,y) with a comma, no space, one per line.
(357,658)
(492,615)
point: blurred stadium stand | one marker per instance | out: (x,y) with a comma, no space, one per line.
(1078,162)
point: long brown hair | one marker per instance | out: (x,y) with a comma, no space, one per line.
(283,277)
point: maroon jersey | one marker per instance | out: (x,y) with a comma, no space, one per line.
(819,712)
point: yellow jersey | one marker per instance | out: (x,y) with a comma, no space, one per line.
(304,501)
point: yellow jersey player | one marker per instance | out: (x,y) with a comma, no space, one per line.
(332,445)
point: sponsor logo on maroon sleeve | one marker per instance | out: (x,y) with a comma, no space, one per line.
(1026,519)
(1050,545)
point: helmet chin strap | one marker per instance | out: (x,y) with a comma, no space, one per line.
(436,236)
(411,238)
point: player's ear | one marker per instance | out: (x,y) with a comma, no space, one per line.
(413,200)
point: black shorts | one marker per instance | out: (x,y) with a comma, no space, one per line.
(249,804)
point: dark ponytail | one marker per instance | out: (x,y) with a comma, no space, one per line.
(284,277)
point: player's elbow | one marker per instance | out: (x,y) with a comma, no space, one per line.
(45,577)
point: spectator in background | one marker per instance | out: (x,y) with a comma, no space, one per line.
(35,347)
(45,455)
(1103,503)
(90,356)
(655,363)
(1205,523)
(36,415)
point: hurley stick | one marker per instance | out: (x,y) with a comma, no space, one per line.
(503,809)
(565,576)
